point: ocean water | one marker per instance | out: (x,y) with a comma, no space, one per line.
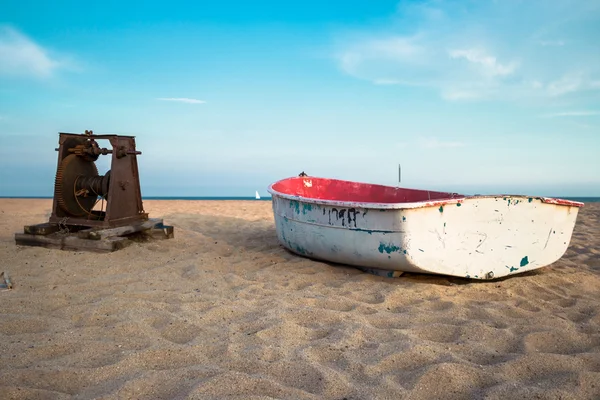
(203,198)
(580,199)
(217,198)
(159,198)
(584,199)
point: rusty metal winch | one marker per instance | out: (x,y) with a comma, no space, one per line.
(78,188)
(95,212)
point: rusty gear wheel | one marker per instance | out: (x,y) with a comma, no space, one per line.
(71,169)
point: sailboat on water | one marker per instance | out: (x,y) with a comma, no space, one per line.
(257,195)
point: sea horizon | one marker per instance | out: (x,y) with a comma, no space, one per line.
(582,199)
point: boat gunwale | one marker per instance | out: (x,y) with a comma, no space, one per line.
(409,205)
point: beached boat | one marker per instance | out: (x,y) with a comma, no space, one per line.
(391,229)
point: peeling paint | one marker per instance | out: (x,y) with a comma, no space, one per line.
(370,231)
(524,261)
(388,248)
(295,205)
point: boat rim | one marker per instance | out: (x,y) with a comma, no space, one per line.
(415,204)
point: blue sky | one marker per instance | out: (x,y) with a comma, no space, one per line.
(226,97)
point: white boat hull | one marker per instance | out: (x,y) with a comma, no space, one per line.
(478,237)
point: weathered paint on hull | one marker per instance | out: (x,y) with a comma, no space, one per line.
(479,237)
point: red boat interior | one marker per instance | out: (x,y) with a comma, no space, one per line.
(338,190)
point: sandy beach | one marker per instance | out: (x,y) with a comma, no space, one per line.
(222,311)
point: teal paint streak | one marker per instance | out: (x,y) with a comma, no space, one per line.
(512,269)
(403,218)
(441,209)
(388,248)
(524,261)
(295,205)
(530,200)
(299,249)
(458,204)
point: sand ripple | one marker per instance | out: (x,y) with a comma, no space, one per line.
(222,311)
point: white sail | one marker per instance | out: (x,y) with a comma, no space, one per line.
(257,195)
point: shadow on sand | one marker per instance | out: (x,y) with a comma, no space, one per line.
(260,236)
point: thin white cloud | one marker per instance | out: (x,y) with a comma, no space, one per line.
(182,100)
(387,82)
(19,55)
(564,85)
(389,49)
(395,47)
(552,43)
(488,64)
(573,114)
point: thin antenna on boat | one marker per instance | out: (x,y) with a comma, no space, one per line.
(399,173)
